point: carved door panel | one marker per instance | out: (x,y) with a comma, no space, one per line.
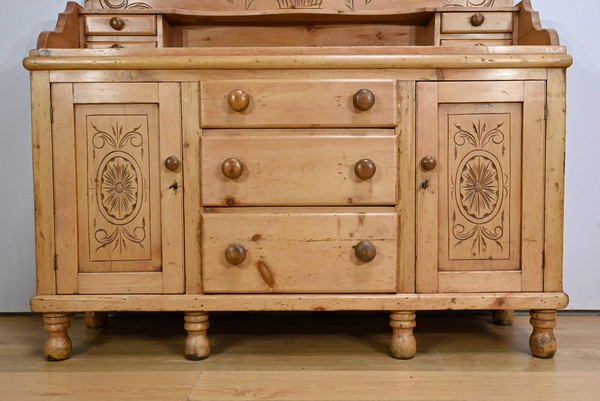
(119,216)
(480,180)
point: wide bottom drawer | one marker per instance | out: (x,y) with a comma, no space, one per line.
(300,250)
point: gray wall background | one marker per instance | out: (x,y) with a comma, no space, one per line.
(575,21)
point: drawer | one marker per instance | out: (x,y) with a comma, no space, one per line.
(120,42)
(299,167)
(463,22)
(297,103)
(139,25)
(259,250)
(477,42)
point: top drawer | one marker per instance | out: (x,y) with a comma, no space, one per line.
(140,25)
(298,103)
(477,22)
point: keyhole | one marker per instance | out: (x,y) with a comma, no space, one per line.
(425,184)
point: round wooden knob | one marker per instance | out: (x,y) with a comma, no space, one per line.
(117,23)
(238,100)
(235,254)
(172,163)
(477,19)
(116,46)
(428,163)
(364,99)
(365,169)
(232,168)
(365,251)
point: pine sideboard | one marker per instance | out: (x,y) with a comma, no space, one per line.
(298,155)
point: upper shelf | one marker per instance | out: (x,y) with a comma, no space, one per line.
(132,24)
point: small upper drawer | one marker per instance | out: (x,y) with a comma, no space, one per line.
(477,22)
(298,103)
(299,250)
(299,167)
(140,25)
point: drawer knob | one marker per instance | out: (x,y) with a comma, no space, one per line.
(238,100)
(428,163)
(235,254)
(117,23)
(172,163)
(116,46)
(365,251)
(232,168)
(365,169)
(477,19)
(364,99)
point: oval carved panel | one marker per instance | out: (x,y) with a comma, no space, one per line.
(479,187)
(119,193)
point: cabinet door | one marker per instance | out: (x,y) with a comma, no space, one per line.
(118,208)
(480,181)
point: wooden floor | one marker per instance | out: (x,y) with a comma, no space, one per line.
(300,357)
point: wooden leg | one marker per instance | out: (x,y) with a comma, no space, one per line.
(542,342)
(403,344)
(58,345)
(197,346)
(503,317)
(96,320)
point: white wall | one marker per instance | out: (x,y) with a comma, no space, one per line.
(576,23)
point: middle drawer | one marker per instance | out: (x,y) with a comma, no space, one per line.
(299,167)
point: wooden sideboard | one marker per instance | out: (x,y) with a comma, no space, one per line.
(314,155)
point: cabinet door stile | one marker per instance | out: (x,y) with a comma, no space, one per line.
(171,188)
(65,189)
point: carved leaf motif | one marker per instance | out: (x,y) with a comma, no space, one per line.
(123,4)
(469,3)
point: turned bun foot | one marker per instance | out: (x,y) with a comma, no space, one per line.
(403,344)
(503,317)
(542,342)
(197,345)
(58,345)
(96,320)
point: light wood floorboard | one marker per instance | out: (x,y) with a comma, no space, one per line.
(300,357)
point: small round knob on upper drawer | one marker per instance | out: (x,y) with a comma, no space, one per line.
(117,23)
(116,46)
(428,163)
(365,251)
(365,169)
(235,254)
(232,168)
(364,99)
(238,100)
(172,163)
(477,19)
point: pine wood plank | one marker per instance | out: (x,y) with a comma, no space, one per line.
(477,281)
(171,201)
(275,302)
(299,103)
(497,22)
(65,189)
(426,207)
(555,186)
(41,133)
(533,165)
(298,167)
(115,93)
(120,283)
(406,186)
(190,102)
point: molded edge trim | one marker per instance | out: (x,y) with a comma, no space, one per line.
(298,62)
(299,302)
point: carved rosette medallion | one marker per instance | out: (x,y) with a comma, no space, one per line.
(478,186)
(119,196)
(118,192)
